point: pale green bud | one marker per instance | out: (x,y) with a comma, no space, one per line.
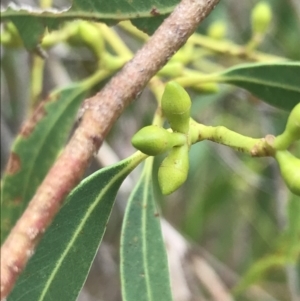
(217,30)
(173,171)
(153,140)
(176,105)
(261,17)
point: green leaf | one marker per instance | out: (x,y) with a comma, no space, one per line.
(31,22)
(144,268)
(63,258)
(123,9)
(35,150)
(149,25)
(277,84)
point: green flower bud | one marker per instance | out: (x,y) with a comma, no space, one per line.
(153,140)
(173,171)
(292,130)
(176,105)
(217,30)
(290,170)
(261,17)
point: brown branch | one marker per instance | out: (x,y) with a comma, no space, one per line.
(101,111)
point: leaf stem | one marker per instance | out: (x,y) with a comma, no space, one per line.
(157,88)
(37,77)
(95,78)
(220,46)
(196,79)
(229,48)
(115,42)
(127,26)
(62,35)
(254,147)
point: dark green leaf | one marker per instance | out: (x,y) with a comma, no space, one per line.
(144,268)
(35,150)
(60,265)
(277,84)
(148,25)
(31,23)
(123,9)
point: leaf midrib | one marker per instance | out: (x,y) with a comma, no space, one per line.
(114,179)
(144,229)
(259,82)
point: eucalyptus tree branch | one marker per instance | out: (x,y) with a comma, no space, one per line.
(99,114)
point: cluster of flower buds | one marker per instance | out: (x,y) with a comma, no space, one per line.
(172,173)
(152,140)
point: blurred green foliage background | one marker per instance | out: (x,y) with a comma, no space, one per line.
(233,208)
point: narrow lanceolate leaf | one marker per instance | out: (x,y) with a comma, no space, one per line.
(35,150)
(63,258)
(144,268)
(277,84)
(31,22)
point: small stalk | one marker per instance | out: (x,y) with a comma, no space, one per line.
(254,147)
(37,76)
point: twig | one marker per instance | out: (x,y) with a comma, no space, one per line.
(100,113)
(211,280)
